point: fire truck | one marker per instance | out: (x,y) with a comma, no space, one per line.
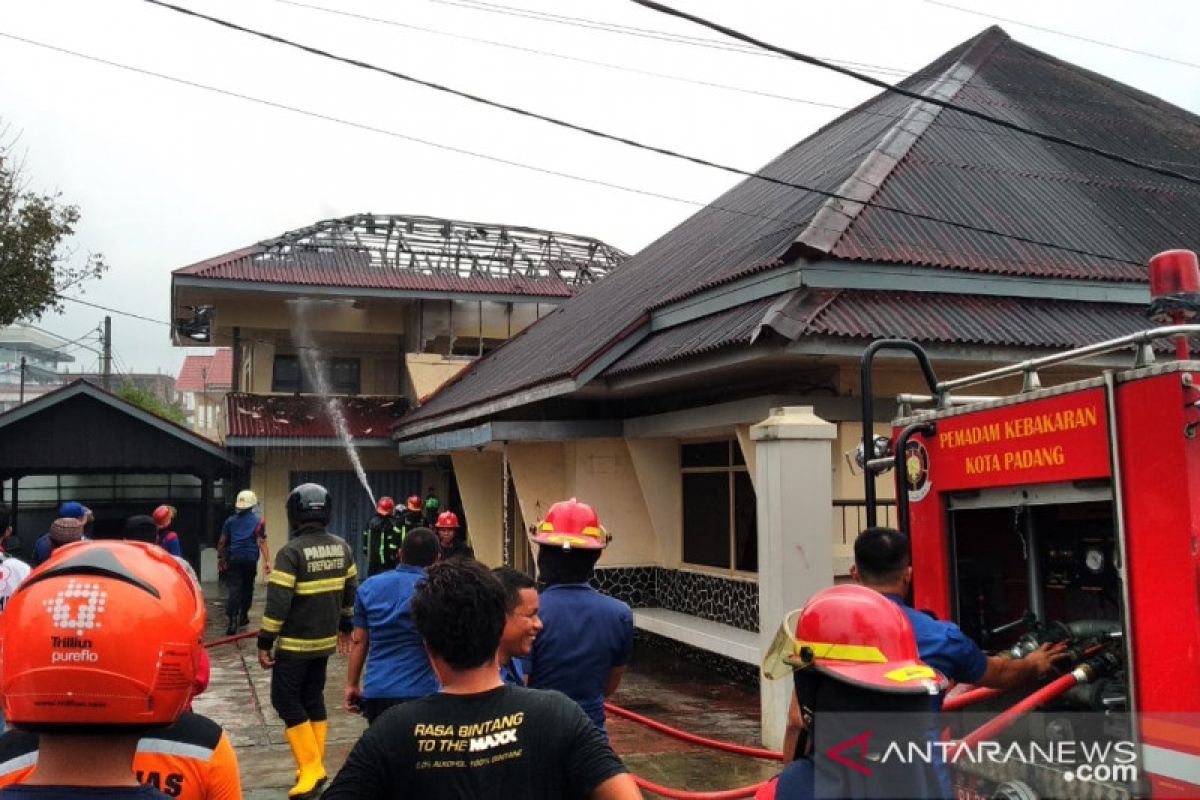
(1067,514)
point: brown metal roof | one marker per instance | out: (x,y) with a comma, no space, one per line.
(302,417)
(917,157)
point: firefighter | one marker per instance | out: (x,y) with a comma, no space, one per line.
(242,541)
(168,539)
(127,624)
(454,544)
(433,507)
(411,516)
(382,539)
(586,637)
(310,600)
(853,661)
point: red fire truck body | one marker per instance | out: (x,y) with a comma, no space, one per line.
(1078,504)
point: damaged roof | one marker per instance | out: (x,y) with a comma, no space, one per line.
(912,155)
(298,420)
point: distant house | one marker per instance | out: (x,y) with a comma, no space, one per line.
(375,311)
(638,395)
(202,385)
(43,353)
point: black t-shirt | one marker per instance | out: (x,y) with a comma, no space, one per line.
(504,743)
(23,792)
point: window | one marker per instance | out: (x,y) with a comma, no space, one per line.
(720,516)
(287,375)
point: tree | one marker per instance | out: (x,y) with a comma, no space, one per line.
(151,402)
(35,265)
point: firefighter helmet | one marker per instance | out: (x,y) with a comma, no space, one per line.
(447,519)
(385,506)
(246,499)
(570,524)
(856,635)
(103,633)
(413,504)
(432,504)
(309,502)
(163,516)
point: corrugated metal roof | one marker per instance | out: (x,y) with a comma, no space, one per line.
(890,151)
(353,269)
(867,315)
(206,373)
(253,416)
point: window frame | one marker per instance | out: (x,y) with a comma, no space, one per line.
(330,365)
(731,469)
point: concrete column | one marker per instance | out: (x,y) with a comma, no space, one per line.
(794,488)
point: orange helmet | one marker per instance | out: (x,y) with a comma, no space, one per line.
(163,516)
(385,506)
(414,504)
(856,635)
(102,633)
(447,519)
(570,524)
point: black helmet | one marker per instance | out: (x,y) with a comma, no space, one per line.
(308,502)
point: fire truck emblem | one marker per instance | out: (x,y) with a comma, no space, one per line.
(916,467)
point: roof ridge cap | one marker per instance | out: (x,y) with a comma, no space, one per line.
(835,216)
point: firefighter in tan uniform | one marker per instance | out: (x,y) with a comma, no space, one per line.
(310,600)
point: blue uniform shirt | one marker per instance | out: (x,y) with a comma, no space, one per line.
(397,666)
(943,646)
(513,673)
(169,541)
(41,550)
(585,634)
(244,529)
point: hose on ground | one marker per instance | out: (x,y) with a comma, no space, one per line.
(742,750)
(679,794)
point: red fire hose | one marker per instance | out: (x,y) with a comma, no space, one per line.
(968,698)
(741,750)
(231,639)
(1042,696)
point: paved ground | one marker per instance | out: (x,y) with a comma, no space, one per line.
(657,685)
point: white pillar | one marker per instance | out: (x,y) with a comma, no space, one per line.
(794,487)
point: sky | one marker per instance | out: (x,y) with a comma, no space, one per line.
(167,174)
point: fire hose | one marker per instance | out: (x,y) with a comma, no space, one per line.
(742,750)
(969,697)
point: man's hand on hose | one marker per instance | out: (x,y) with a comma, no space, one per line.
(1046,657)
(265,660)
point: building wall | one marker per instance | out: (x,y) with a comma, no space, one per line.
(425,372)
(480,486)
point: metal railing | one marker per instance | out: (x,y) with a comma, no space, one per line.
(850,517)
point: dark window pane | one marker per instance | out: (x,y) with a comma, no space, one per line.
(343,376)
(739,460)
(708,454)
(745,523)
(285,375)
(706,519)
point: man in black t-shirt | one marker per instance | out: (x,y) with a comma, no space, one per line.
(478,738)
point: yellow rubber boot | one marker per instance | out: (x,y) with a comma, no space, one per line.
(308,758)
(320,731)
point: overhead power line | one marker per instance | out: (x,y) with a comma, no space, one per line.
(640,145)
(822,63)
(1075,36)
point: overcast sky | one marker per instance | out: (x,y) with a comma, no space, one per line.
(168,174)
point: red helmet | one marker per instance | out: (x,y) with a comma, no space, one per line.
(385,506)
(163,516)
(102,633)
(447,519)
(572,524)
(856,635)
(414,504)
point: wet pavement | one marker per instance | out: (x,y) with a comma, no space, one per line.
(658,685)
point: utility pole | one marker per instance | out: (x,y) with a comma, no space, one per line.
(106,358)
(21,400)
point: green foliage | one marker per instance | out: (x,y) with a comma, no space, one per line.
(35,265)
(153,403)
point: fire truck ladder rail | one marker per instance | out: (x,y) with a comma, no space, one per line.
(1030,366)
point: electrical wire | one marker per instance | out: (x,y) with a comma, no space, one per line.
(1075,36)
(817,62)
(640,145)
(942,125)
(386,132)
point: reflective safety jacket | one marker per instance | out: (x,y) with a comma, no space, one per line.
(310,596)
(190,760)
(381,542)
